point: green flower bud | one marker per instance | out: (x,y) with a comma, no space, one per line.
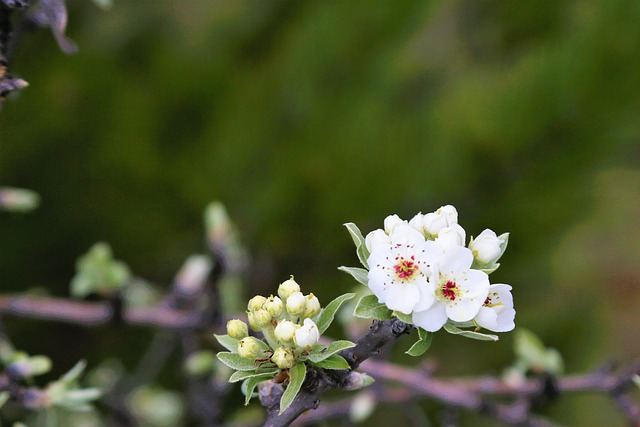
(249,348)
(237,329)
(262,318)
(274,306)
(288,287)
(311,306)
(283,357)
(256,303)
(285,330)
(296,303)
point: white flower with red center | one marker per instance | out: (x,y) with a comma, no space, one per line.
(459,291)
(399,268)
(497,313)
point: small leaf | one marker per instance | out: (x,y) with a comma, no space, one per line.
(74,373)
(360,274)
(236,362)
(333,348)
(406,318)
(329,312)
(335,361)
(297,373)
(452,329)
(240,375)
(249,385)
(422,345)
(228,342)
(4,396)
(369,308)
(361,247)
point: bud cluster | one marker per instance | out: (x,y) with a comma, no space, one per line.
(285,321)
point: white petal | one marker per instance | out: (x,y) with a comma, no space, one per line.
(375,239)
(402,297)
(427,295)
(463,310)
(475,284)
(456,259)
(431,319)
(391,222)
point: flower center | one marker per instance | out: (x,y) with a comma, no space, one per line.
(450,290)
(405,268)
(488,302)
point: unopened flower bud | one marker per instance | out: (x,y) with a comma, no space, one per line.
(288,287)
(311,306)
(249,348)
(285,330)
(261,318)
(237,329)
(486,247)
(307,335)
(283,357)
(435,221)
(274,306)
(391,222)
(256,303)
(296,303)
(453,235)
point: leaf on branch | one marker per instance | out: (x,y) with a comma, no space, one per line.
(368,307)
(333,348)
(360,274)
(297,373)
(243,375)
(228,342)
(452,329)
(406,318)
(249,385)
(422,345)
(335,361)
(361,247)
(327,315)
(235,361)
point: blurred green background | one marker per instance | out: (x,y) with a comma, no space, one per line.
(303,115)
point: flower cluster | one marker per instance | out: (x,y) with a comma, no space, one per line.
(422,268)
(290,325)
(285,322)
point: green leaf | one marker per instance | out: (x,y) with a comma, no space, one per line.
(74,373)
(360,274)
(4,396)
(228,342)
(297,373)
(249,385)
(240,375)
(452,329)
(406,318)
(335,361)
(333,348)
(369,308)
(422,345)
(329,312)
(361,247)
(234,361)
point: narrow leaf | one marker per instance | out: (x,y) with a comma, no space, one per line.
(335,361)
(422,345)
(329,312)
(469,334)
(361,247)
(333,348)
(369,308)
(360,274)
(243,375)
(74,373)
(249,385)
(236,362)
(297,372)
(227,342)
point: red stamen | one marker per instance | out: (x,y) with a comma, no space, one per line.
(449,290)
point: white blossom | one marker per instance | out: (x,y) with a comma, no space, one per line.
(391,222)
(307,335)
(486,247)
(459,291)
(399,269)
(453,235)
(433,222)
(284,331)
(497,313)
(295,303)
